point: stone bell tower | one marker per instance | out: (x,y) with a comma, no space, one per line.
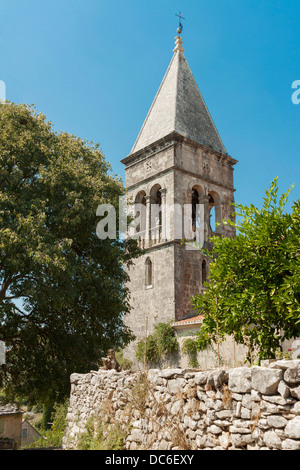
(179,183)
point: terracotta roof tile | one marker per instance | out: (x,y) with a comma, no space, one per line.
(189,321)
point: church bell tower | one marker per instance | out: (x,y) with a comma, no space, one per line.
(179,185)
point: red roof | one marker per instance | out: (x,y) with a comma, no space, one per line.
(189,321)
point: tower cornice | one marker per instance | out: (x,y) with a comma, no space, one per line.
(169,140)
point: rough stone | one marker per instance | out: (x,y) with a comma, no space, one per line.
(200,378)
(292,429)
(245,413)
(175,385)
(225,440)
(295,392)
(235,429)
(256,396)
(215,429)
(176,407)
(266,380)
(241,440)
(240,380)
(172,373)
(292,375)
(288,364)
(247,401)
(136,435)
(277,400)
(263,424)
(217,378)
(276,421)
(224,414)
(283,389)
(290,444)
(190,423)
(238,409)
(272,440)
(295,409)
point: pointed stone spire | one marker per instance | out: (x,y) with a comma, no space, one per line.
(179,107)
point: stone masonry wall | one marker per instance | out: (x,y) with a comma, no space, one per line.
(248,408)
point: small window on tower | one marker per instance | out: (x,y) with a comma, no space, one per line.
(149,273)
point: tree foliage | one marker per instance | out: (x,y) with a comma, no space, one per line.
(62,294)
(254,283)
(159,345)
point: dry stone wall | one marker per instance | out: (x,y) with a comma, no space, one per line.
(248,408)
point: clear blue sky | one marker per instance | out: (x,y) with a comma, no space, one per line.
(93,68)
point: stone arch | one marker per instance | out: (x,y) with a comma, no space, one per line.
(140,211)
(159,184)
(140,196)
(196,184)
(195,195)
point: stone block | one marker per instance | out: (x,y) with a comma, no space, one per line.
(247,401)
(245,413)
(295,392)
(238,409)
(283,389)
(290,444)
(292,429)
(214,429)
(217,378)
(272,440)
(241,440)
(276,421)
(239,380)
(292,375)
(238,430)
(295,409)
(200,378)
(176,407)
(172,373)
(175,385)
(225,440)
(190,423)
(266,380)
(288,364)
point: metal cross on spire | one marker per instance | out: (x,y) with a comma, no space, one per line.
(180,17)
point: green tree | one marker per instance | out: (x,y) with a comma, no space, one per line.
(62,289)
(53,433)
(254,283)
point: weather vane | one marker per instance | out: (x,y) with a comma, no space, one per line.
(179,30)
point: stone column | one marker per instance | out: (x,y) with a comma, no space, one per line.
(187,231)
(219,217)
(163,208)
(148,221)
(204,200)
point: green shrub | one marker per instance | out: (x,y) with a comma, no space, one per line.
(99,436)
(125,363)
(53,437)
(159,345)
(190,348)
